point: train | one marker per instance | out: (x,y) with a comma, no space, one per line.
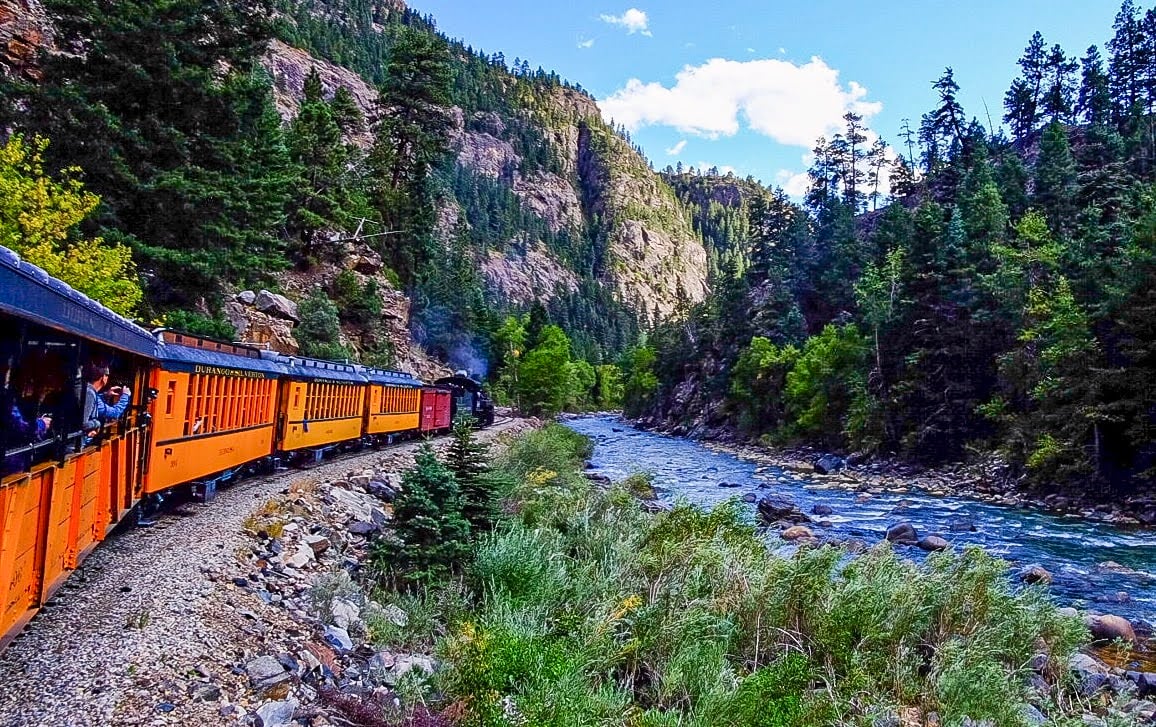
(203,412)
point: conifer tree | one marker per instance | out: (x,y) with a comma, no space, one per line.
(1055,178)
(164,107)
(411,139)
(468,459)
(1023,98)
(431,536)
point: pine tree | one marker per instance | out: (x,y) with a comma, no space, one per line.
(1055,178)
(1023,98)
(327,196)
(468,459)
(1057,98)
(1094,103)
(411,139)
(1125,64)
(164,107)
(431,537)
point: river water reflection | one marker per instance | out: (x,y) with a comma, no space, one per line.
(1074,550)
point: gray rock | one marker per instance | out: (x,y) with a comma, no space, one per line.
(381,490)
(361,481)
(206,693)
(317,543)
(822,510)
(360,527)
(247,297)
(405,663)
(276,305)
(273,714)
(933,542)
(338,638)
(265,671)
(345,614)
(395,615)
(1145,681)
(889,720)
(303,557)
(1035,574)
(778,509)
(1033,715)
(1142,708)
(902,533)
(961,524)
(1083,665)
(729,485)
(829,463)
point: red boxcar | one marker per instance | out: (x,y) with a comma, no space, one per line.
(435,409)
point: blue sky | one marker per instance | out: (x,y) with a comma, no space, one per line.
(748,84)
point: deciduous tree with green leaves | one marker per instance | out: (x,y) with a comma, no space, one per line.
(40,218)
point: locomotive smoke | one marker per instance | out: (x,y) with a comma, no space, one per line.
(465,356)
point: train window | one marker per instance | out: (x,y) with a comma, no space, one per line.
(170,394)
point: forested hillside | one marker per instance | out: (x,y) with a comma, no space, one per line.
(347,156)
(1001,299)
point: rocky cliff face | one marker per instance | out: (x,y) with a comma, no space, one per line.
(655,260)
(25,31)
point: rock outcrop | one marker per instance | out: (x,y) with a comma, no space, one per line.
(527,277)
(290,66)
(25,31)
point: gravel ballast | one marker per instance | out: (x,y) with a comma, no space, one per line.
(158,624)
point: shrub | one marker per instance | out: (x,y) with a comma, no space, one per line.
(199,324)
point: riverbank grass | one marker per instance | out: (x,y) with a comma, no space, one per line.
(581,609)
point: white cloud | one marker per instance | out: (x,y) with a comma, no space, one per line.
(588,43)
(794,184)
(723,169)
(782,51)
(792,104)
(634,20)
(677,148)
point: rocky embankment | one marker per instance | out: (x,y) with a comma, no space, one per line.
(249,612)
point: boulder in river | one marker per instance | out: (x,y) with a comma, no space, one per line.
(729,485)
(822,510)
(902,533)
(933,543)
(1035,574)
(961,524)
(829,463)
(1110,627)
(797,532)
(779,509)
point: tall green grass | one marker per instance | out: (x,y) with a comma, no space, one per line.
(588,611)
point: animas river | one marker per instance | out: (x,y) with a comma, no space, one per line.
(1096,566)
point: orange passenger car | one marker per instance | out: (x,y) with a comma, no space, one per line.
(322,403)
(394,403)
(216,410)
(61,492)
